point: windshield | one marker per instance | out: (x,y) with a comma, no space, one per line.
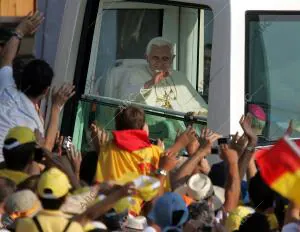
(273,69)
(155,55)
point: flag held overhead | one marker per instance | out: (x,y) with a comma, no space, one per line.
(280,168)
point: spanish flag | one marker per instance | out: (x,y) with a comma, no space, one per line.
(280,168)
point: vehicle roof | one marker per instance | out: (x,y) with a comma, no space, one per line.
(246,4)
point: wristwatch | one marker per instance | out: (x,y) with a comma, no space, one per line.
(18,35)
(161,172)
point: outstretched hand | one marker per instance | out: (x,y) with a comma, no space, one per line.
(99,136)
(245,123)
(62,95)
(207,138)
(157,78)
(30,24)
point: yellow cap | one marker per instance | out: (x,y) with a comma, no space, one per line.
(20,135)
(53,184)
(237,216)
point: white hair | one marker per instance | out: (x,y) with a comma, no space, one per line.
(159,41)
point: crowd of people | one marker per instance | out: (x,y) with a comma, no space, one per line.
(128,183)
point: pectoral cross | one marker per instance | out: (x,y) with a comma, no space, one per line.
(165,101)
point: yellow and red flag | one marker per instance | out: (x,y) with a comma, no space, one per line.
(280,168)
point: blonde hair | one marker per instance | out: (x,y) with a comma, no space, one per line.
(159,41)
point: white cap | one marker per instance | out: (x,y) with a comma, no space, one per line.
(291,227)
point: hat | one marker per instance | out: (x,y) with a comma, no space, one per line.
(291,227)
(135,223)
(200,187)
(20,204)
(163,211)
(53,184)
(257,111)
(237,217)
(18,136)
(78,202)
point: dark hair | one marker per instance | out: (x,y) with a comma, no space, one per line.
(36,78)
(7,187)
(19,63)
(129,118)
(203,213)
(114,220)
(18,158)
(260,193)
(52,204)
(255,222)
(88,167)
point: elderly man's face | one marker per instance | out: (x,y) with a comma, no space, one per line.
(160,58)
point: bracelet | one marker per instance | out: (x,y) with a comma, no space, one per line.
(18,35)
(161,172)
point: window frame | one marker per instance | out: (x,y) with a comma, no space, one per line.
(84,57)
(249,17)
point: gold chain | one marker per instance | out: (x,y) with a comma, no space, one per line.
(167,96)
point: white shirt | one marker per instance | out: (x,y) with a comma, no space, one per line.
(15,108)
(181,94)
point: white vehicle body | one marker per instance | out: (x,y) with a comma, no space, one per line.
(227,91)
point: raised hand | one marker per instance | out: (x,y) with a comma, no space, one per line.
(207,138)
(62,95)
(161,144)
(30,24)
(187,136)
(99,136)
(168,162)
(75,159)
(289,130)
(157,78)
(245,123)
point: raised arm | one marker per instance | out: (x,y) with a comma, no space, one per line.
(28,26)
(233,184)
(245,159)
(59,98)
(105,205)
(207,138)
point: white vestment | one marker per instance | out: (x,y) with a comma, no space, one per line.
(174,92)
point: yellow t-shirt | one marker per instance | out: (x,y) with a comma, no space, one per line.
(15,176)
(50,221)
(113,162)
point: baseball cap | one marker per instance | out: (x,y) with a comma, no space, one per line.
(291,227)
(53,184)
(165,208)
(20,204)
(23,203)
(18,136)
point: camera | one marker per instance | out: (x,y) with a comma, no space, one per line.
(67,143)
(223,141)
